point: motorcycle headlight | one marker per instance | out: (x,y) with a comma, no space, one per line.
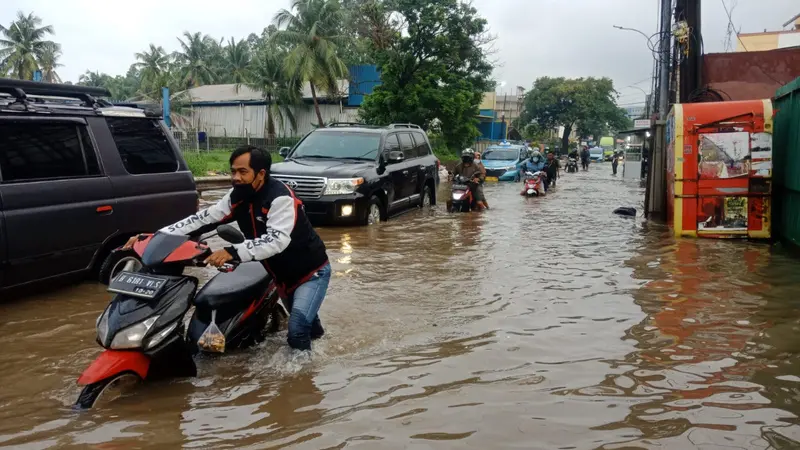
(102,326)
(457,195)
(342,186)
(132,336)
(158,337)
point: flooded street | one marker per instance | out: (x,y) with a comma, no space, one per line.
(542,323)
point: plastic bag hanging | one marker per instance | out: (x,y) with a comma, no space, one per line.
(212,339)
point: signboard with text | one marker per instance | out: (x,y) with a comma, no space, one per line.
(641,123)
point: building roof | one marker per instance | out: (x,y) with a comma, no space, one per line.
(228,93)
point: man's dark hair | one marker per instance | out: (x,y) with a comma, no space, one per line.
(259,158)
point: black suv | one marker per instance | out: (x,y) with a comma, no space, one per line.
(352,173)
(78,177)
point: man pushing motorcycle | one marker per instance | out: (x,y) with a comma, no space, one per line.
(277,233)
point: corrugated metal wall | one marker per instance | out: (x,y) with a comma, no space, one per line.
(363,80)
(244,120)
(786,159)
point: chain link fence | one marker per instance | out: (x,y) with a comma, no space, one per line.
(199,141)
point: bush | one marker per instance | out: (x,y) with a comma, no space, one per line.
(214,162)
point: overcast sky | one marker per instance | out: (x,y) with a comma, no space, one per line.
(535,38)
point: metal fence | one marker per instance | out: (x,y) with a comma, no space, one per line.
(194,141)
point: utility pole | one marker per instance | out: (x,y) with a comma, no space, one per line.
(655,203)
(691,64)
(664,48)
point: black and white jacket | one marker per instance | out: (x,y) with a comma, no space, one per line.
(277,230)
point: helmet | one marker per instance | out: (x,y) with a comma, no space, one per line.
(536,155)
(468,152)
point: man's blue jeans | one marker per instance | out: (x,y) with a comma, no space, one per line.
(304,305)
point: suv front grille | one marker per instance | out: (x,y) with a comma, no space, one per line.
(307,188)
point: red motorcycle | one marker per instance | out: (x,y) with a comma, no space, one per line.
(143,328)
(534,184)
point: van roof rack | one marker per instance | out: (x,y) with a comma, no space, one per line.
(21,89)
(349,124)
(405,125)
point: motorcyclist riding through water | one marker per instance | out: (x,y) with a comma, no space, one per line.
(534,164)
(278,234)
(475,172)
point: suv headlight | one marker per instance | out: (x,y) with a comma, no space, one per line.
(342,186)
(132,336)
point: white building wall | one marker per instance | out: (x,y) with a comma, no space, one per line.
(243,120)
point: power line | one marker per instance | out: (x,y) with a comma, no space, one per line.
(730,22)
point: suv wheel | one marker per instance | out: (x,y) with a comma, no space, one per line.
(426,201)
(374,212)
(119,260)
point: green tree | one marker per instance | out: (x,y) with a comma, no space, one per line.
(436,68)
(48,62)
(585,103)
(151,65)
(237,61)
(93,79)
(311,29)
(195,59)
(280,91)
(23,44)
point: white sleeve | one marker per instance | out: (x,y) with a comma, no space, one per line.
(280,223)
(214,214)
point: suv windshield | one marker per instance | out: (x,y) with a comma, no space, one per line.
(339,144)
(501,155)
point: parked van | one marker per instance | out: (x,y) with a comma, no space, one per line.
(78,177)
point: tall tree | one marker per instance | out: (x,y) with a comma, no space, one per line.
(237,61)
(585,103)
(433,66)
(23,44)
(312,30)
(194,59)
(48,62)
(151,65)
(280,91)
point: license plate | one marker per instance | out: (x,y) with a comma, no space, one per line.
(459,187)
(136,284)
(492,179)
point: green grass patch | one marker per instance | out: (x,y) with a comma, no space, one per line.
(214,162)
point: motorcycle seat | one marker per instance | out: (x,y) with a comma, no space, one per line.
(234,289)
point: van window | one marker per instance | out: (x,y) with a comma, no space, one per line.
(143,146)
(41,150)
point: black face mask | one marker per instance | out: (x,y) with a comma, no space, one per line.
(244,190)
(467,159)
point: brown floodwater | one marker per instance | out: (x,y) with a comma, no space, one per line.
(543,323)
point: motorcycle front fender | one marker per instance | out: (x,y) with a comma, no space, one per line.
(113,362)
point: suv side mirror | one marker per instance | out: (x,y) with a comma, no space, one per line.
(396,157)
(284,151)
(230,234)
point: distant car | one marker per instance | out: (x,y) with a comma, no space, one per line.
(78,177)
(596,154)
(350,173)
(503,161)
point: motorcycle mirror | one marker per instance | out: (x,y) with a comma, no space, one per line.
(230,234)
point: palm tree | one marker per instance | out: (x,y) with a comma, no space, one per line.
(93,79)
(237,60)
(313,34)
(151,64)
(23,44)
(194,59)
(48,62)
(280,91)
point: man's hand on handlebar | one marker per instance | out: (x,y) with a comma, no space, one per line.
(129,245)
(219,258)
